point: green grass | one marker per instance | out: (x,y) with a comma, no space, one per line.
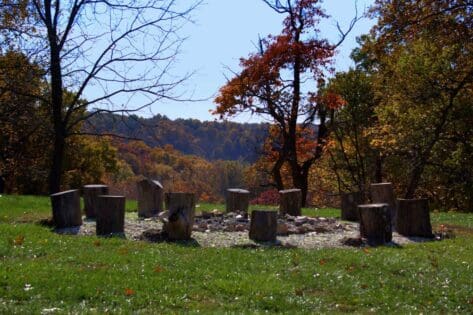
(41,270)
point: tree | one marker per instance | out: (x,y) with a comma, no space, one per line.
(121,51)
(274,81)
(422,54)
(23,136)
(354,161)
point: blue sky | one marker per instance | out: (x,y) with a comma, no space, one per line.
(226,30)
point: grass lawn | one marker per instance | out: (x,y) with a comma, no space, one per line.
(44,272)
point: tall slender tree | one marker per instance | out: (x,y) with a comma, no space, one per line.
(116,53)
(280,83)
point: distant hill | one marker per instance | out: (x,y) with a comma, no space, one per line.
(210,140)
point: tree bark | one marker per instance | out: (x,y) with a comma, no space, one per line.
(290,202)
(413,218)
(384,193)
(375,223)
(150,198)
(66,209)
(57,103)
(263,226)
(349,205)
(181,207)
(91,193)
(110,216)
(2,184)
(55,173)
(237,200)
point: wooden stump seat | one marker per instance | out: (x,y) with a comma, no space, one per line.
(375,223)
(66,209)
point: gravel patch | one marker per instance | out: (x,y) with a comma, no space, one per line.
(225,231)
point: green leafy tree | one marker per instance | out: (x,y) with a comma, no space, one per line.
(355,162)
(422,56)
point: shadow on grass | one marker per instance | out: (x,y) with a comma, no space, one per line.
(159,236)
(264,245)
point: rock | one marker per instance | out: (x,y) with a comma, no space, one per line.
(321,229)
(162,215)
(240,228)
(206,214)
(301,230)
(283,229)
(217,212)
(300,220)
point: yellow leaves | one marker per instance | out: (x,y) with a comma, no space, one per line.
(322,262)
(19,240)
(158,269)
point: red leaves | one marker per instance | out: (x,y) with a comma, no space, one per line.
(129,292)
(264,79)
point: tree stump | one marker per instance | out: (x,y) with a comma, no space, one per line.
(350,202)
(263,225)
(181,212)
(237,200)
(290,202)
(384,193)
(413,218)
(375,223)
(90,193)
(66,209)
(150,198)
(110,215)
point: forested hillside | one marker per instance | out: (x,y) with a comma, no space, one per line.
(210,140)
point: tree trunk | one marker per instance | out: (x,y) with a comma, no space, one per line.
(90,193)
(237,200)
(57,102)
(181,207)
(150,198)
(384,193)
(414,181)
(2,184)
(375,223)
(110,216)
(55,173)
(276,172)
(413,218)
(66,209)
(290,202)
(379,169)
(263,226)
(349,205)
